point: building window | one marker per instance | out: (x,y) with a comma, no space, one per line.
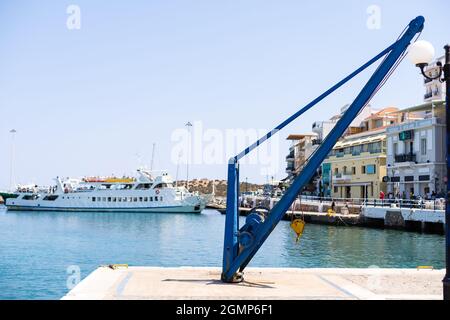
(423,146)
(336,171)
(363,169)
(335,189)
(395,148)
(353,170)
(371,169)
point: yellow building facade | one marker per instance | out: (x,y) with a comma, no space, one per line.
(358,166)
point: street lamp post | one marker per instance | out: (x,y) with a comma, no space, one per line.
(11,168)
(421,53)
(188,125)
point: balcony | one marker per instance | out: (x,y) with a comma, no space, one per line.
(316,142)
(290,167)
(290,157)
(405,158)
(342,177)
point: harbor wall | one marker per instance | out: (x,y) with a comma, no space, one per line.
(428,219)
(423,220)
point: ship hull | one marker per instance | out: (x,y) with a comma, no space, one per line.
(169,209)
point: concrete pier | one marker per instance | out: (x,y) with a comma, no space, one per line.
(260,283)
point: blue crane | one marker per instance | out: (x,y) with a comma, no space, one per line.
(241,244)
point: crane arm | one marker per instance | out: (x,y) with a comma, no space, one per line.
(240,245)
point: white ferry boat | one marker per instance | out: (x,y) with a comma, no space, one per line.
(144,193)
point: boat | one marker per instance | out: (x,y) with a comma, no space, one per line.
(148,192)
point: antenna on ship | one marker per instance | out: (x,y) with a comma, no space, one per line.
(178,167)
(153,157)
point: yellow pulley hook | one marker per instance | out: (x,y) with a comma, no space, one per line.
(298,225)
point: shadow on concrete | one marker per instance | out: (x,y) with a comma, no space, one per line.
(219,282)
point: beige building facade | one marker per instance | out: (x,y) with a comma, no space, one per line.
(358,166)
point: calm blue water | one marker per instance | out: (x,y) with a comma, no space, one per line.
(36,248)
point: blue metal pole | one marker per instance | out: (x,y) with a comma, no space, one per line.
(231,245)
(244,257)
(446,280)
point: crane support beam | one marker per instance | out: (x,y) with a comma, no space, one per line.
(241,244)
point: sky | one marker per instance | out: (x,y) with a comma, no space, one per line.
(91,89)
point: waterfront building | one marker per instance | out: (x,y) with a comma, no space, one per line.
(356,167)
(322,128)
(379,119)
(302,147)
(416,152)
(434,89)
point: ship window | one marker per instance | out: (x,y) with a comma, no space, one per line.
(104,199)
(145,199)
(99,199)
(120,199)
(114,199)
(30,197)
(130,199)
(156,198)
(160,198)
(143,186)
(151,198)
(140,199)
(109,199)
(93,199)
(125,199)
(135,199)
(163,185)
(50,198)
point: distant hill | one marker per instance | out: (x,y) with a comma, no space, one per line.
(205,186)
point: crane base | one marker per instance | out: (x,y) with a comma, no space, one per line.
(237,277)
